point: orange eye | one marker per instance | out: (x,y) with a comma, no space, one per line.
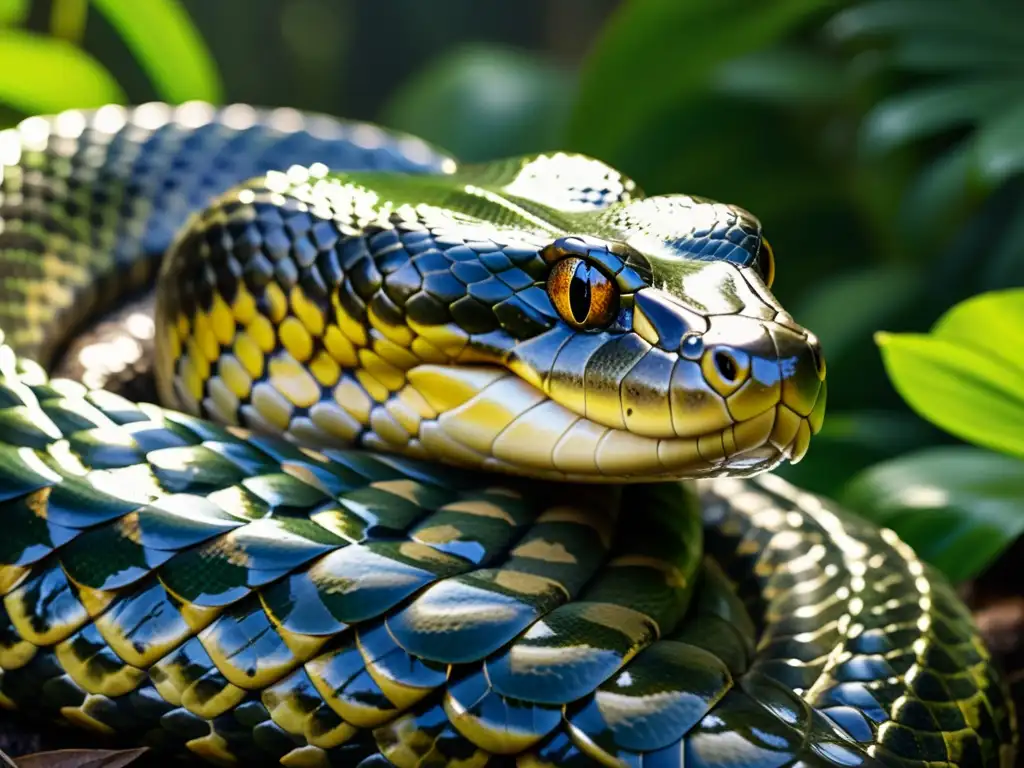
(583,296)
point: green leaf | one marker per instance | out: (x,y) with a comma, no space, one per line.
(483,102)
(953,54)
(988,21)
(43,75)
(13,12)
(965,390)
(959,507)
(167,45)
(925,112)
(654,54)
(784,75)
(999,146)
(991,323)
(971,113)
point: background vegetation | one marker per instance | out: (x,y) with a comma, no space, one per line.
(881,142)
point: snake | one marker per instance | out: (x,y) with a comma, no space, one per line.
(447,465)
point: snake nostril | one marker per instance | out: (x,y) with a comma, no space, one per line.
(726,366)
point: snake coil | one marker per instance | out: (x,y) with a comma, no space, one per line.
(454,552)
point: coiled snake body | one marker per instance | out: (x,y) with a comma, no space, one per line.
(457,555)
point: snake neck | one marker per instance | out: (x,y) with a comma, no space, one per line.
(92,200)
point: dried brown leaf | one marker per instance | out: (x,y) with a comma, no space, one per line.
(81,758)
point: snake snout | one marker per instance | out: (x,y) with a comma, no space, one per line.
(739,363)
(803,389)
(767,379)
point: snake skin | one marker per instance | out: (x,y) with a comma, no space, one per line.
(221,594)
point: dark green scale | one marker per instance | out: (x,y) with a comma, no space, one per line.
(213,593)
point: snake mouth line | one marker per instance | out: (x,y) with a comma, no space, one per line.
(490,418)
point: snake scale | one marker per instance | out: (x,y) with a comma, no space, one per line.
(463,551)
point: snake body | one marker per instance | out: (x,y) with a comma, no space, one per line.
(453,552)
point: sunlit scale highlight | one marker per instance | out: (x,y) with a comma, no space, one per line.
(220,593)
(333,310)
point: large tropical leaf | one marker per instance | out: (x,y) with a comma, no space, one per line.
(13,12)
(784,74)
(989,23)
(959,507)
(967,59)
(655,54)
(925,112)
(967,376)
(992,323)
(954,71)
(169,48)
(40,74)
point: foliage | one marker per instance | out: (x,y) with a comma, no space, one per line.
(958,506)
(170,49)
(642,43)
(980,66)
(61,75)
(46,73)
(962,67)
(516,98)
(967,375)
(13,12)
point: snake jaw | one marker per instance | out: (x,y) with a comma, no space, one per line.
(490,418)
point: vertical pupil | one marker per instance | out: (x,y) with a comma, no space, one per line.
(579,293)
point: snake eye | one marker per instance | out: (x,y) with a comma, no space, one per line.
(581,293)
(765,263)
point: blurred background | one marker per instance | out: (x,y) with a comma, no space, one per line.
(881,142)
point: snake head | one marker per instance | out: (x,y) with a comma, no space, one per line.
(670,346)
(534,316)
